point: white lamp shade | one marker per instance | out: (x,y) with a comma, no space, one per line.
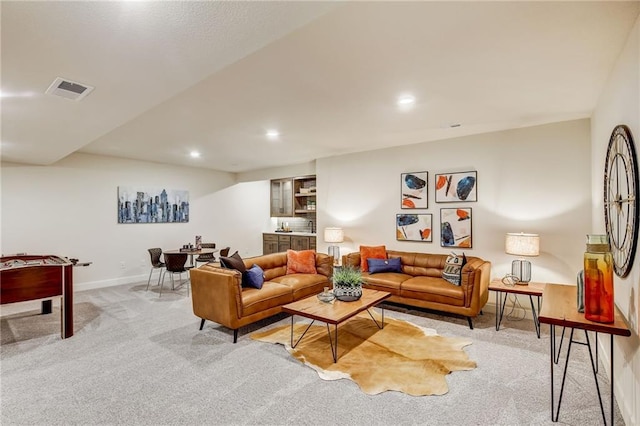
(522,244)
(333,235)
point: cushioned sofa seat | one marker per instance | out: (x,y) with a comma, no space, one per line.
(271,295)
(420,282)
(218,295)
(303,285)
(432,289)
(385,281)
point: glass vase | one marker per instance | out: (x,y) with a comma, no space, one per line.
(598,280)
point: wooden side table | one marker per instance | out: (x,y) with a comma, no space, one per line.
(502,290)
(559,308)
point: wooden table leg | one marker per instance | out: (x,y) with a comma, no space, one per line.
(67,302)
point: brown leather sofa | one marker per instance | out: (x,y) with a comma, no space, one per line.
(421,284)
(217,293)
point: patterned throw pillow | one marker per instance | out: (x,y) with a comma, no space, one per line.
(253,277)
(453,268)
(301,262)
(371,252)
(233,262)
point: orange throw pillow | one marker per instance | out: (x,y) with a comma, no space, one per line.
(371,252)
(301,262)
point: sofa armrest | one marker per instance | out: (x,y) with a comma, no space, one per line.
(216,294)
(475,283)
(351,260)
(324,264)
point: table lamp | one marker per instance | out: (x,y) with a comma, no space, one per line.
(522,245)
(334,235)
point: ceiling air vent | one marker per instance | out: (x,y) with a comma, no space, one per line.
(68,89)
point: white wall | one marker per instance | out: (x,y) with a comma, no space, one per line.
(544,179)
(533,179)
(620,104)
(70,209)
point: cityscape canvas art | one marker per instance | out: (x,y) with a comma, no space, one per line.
(139,204)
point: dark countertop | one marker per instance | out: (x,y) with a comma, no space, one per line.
(301,234)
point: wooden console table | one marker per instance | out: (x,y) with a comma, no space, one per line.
(559,307)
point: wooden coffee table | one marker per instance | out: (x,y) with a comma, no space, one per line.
(334,313)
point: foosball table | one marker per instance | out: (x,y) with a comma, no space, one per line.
(31,277)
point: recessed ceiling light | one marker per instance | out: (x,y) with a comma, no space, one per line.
(194,154)
(273,134)
(406,100)
(17,94)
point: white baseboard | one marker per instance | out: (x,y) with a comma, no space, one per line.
(90,285)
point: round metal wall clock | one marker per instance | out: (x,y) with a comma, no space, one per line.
(621,199)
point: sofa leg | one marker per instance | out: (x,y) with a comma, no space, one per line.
(202,323)
(481,313)
(235,335)
(470,323)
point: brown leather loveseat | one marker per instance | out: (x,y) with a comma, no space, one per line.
(421,284)
(217,293)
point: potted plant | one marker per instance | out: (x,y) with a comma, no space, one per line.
(347,284)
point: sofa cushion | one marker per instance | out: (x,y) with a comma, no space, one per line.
(253,277)
(270,296)
(385,281)
(301,262)
(432,289)
(233,262)
(384,265)
(303,285)
(453,268)
(371,252)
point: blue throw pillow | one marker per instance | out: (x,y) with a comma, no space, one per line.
(384,265)
(253,277)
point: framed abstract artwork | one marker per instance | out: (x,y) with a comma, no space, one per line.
(456,187)
(140,204)
(414,190)
(456,227)
(414,227)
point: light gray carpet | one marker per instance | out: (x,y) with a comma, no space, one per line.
(136,358)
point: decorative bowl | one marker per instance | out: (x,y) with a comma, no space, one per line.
(347,294)
(326,296)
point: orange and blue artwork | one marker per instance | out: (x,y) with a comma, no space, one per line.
(414,227)
(456,187)
(413,187)
(455,227)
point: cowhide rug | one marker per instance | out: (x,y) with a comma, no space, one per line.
(401,357)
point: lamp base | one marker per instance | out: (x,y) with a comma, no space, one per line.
(521,269)
(335,252)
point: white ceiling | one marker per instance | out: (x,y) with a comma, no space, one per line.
(172,77)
